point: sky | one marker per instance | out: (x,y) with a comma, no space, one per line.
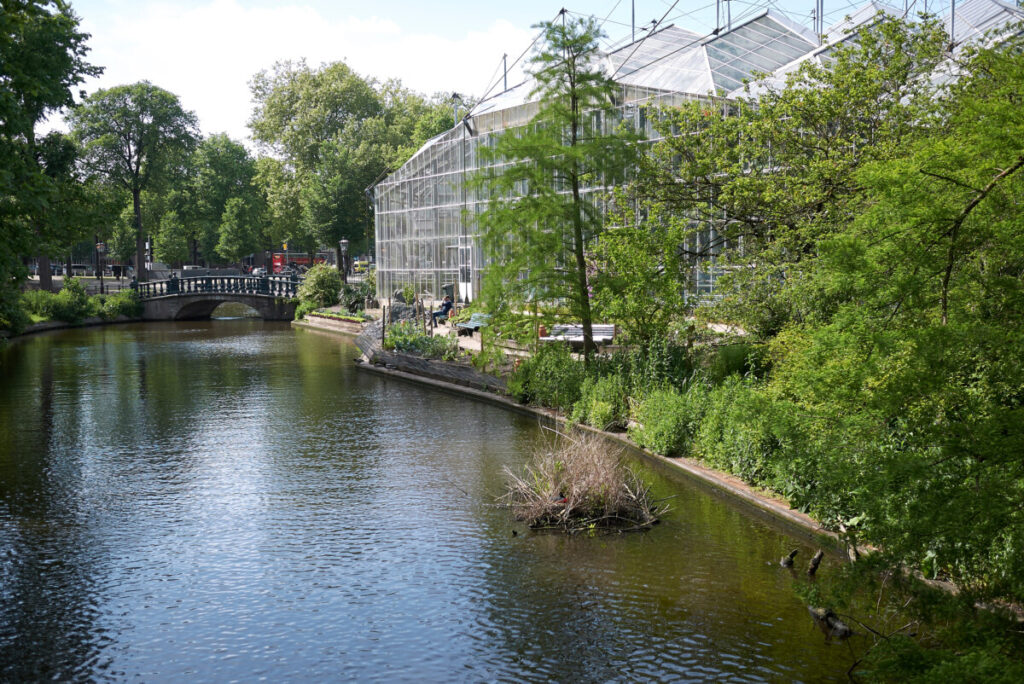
(206,51)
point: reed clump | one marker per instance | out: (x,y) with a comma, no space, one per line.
(577,483)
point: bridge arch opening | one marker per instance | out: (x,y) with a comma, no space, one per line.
(228,310)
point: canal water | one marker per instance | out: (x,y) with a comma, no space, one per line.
(232,499)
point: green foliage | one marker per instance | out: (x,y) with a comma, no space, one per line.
(321,286)
(735,433)
(227,211)
(639,275)
(602,403)
(351,317)
(755,187)
(333,133)
(71,304)
(719,362)
(170,245)
(237,238)
(122,303)
(136,137)
(667,419)
(305,307)
(407,337)
(354,295)
(42,61)
(542,221)
(915,632)
(551,377)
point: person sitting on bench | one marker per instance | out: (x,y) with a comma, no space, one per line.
(446,307)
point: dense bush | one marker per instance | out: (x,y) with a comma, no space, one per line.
(304,308)
(321,286)
(12,313)
(353,296)
(123,303)
(603,402)
(735,433)
(551,377)
(667,419)
(407,337)
(71,304)
(730,359)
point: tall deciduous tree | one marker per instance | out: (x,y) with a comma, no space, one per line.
(223,170)
(333,133)
(42,58)
(557,171)
(135,136)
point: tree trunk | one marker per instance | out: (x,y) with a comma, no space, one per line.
(577,229)
(140,245)
(99,267)
(45,273)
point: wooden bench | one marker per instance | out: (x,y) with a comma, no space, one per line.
(475,322)
(603,333)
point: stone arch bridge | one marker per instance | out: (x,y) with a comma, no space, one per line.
(180,299)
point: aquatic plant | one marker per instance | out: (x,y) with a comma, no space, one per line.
(577,483)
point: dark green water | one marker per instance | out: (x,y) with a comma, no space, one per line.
(231,500)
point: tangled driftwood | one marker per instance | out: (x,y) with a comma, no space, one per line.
(579,484)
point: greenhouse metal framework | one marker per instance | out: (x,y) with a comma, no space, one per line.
(425,213)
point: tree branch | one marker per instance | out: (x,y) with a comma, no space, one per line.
(951,254)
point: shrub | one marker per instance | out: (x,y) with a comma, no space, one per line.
(304,308)
(351,317)
(730,359)
(667,419)
(406,337)
(736,434)
(322,286)
(13,314)
(38,302)
(353,295)
(71,304)
(603,402)
(551,377)
(123,303)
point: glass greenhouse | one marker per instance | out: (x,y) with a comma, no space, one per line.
(426,231)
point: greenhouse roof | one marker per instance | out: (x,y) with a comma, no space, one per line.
(974,20)
(678,61)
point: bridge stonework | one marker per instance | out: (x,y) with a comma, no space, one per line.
(198,306)
(178,299)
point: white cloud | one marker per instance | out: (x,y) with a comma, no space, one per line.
(207,53)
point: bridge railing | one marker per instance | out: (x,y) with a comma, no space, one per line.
(267,286)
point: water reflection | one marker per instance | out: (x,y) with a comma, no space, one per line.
(231,499)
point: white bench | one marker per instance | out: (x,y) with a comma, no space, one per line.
(603,333)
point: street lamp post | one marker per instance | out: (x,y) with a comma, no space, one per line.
(343,266)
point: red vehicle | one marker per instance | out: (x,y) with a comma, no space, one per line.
(296,260)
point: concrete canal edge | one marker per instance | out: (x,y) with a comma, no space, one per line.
(47,326)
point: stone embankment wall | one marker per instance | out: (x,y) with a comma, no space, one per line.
(369,343)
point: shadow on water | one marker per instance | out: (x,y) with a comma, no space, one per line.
(223,499)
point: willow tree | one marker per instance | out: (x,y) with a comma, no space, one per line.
(547,180)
